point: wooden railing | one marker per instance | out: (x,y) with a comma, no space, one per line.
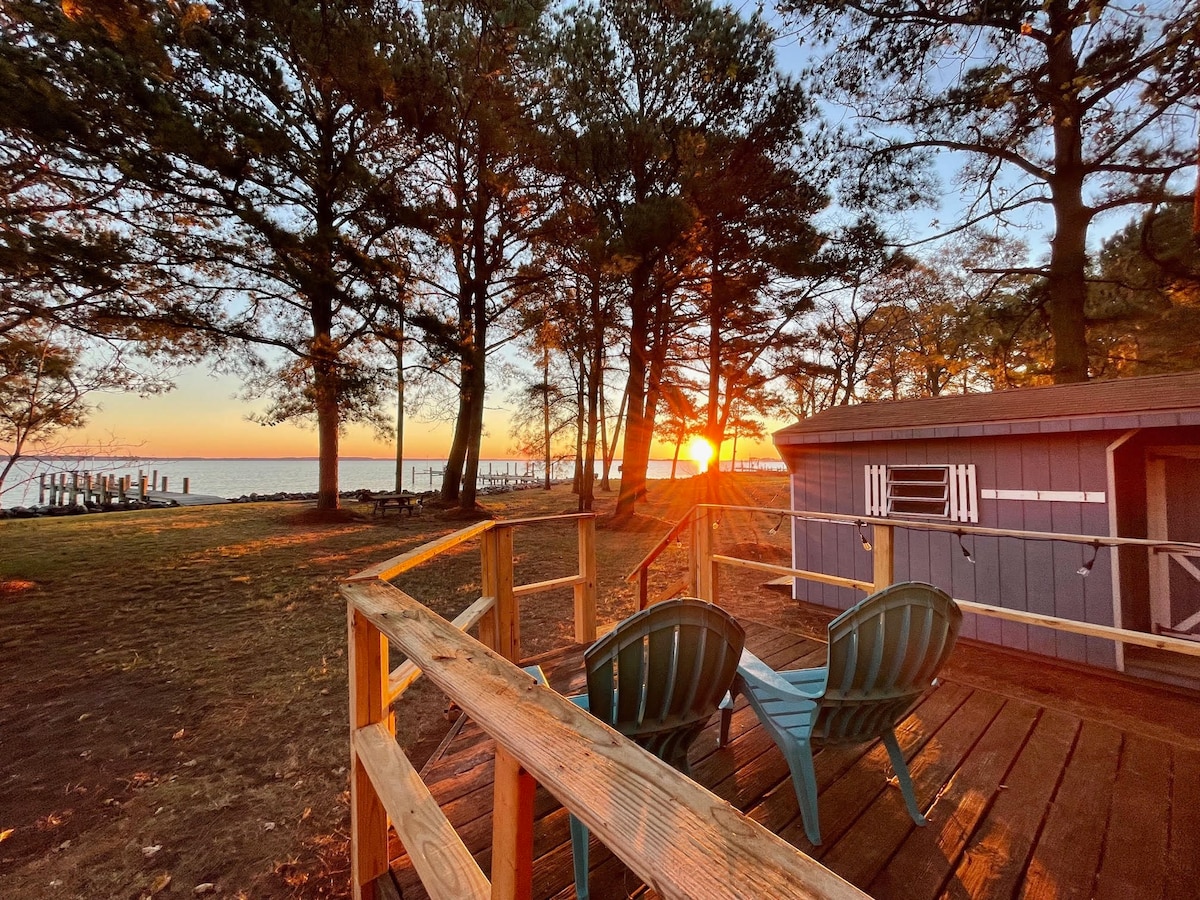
(703,567)
(676,836)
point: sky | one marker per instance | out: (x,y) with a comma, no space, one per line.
(203,417)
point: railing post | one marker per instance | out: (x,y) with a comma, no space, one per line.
(367,659)
(585,594)
(488,566)
(701,554)
(885,558)
(512,829)
(500,629)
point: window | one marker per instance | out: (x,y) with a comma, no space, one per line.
(922,492)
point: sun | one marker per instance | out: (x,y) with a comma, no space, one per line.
(701,453)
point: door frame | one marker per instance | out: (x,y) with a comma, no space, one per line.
(1156,529)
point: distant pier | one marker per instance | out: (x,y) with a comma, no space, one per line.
(88,489)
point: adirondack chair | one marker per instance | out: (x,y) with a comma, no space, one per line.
(884,653)
(657,678)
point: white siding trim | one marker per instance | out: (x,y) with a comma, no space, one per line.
(1052,496)
(876,490)
(963,506)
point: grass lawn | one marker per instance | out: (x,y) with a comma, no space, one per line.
(174,706)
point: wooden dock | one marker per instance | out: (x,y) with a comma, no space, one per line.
(181,499)
(1038,781)
(69,489)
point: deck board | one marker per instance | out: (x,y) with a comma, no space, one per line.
(1135,857)
(1183,855)
(1030,792)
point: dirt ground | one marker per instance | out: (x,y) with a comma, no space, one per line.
(173,720)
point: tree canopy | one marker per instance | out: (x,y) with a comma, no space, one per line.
(1067,108)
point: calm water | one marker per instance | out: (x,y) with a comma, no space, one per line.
(235,477)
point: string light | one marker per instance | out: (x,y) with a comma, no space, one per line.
(774,529)
(1086,568)
(965,552)
(862,536)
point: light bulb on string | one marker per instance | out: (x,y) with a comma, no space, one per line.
(965,552)
(1086,568)
(866,545)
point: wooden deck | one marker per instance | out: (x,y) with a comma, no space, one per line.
(1038,781)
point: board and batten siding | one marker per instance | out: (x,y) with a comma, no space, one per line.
(1036,576)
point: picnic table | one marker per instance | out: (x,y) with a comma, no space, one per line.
(409,503)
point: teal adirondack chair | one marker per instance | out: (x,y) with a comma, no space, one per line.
(884,653)
(657,678)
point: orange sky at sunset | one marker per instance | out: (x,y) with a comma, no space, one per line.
(202,418)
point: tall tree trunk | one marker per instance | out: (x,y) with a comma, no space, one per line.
(1066,281)
(456,459)
(610,446)
(546,414)
(580,422)
(636,450)
(474,416)
(400,410)
(328,421)
(714,431)
(594,374)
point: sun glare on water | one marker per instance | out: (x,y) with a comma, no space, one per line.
(701,452)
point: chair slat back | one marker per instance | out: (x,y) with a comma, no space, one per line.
(660,675)
(883,654)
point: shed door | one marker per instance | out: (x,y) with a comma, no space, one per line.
(1173,513)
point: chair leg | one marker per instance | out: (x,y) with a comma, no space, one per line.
(726,716)
(804,778)
(579,855)
(901,769)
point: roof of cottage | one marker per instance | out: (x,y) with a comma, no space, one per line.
(1153,401)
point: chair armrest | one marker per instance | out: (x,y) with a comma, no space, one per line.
(538,675)
(766,682)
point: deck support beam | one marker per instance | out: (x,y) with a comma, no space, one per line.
(512,829)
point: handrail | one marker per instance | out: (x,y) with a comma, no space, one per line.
(676,836)
(408,672)
(442,861)
(662,545)
(821,577)
(383,784)
(584,582)
(882,534)
(1103,540)
(1123,635)
(397,565)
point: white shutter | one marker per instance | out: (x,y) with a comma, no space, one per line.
(964,505)
(876,490)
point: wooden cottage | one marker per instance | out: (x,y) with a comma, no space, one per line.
(1109,458)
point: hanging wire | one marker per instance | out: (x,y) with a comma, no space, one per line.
(1086,568)
(862,536)
(962,546)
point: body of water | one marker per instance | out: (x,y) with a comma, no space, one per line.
(238,477)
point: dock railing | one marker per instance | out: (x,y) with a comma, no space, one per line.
(703,575)
(676,836)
